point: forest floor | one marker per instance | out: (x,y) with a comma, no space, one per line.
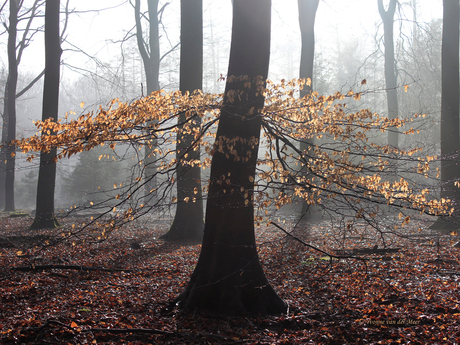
(55,294)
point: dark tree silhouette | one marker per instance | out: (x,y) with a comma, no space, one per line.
(228,276)
(150,54)
(11,106)
(44,216)
(307,15)
(188,224)
(390,72)
(450,142)
(16,46)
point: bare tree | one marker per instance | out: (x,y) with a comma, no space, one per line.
(390,72)
(150,54)
(44,216)
(11,106)
(307,15)
(450,142)
(15,52)
(188,222)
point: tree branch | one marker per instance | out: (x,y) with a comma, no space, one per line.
(23,44)
(317,249)
(35,268)
(109,330)
(169,51)
(32,83)
(139,36)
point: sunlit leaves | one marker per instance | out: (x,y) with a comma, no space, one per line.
(345,162)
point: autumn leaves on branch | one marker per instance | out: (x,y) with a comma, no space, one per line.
(344,164)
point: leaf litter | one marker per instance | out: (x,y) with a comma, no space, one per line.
(408,296)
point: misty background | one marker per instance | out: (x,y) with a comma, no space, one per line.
(101,61)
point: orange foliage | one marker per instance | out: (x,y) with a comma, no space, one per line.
(349,165)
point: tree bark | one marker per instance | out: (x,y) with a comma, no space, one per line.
(11,101)
(390,72)
(14,52)
(151,59)
(188,224)
(450,98)
(450,142)
(307,16)
(229,277)
(44,216)
(4,148)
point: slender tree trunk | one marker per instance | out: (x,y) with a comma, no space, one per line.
(4,149)
(307,16)
(11,101)
(390,71)
(415,23)
(228,276)
(44,216)
(150,54)
(450,142)
(15,51)
(188,224)
(151,59)
(215,59)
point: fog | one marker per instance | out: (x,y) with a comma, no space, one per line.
(101,61)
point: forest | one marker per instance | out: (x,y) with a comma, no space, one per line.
(229,172)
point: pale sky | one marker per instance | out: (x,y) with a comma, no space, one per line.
(336,20)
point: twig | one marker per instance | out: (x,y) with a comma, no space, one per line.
(68,267)
(129,330)
(108,330)
(317,249)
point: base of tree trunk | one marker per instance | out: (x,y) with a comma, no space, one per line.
(190,233)
(188,224)
(444,225)
(237,300)
(45,223)
(231,288)
(311,214)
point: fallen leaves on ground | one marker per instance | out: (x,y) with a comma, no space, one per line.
(410,296)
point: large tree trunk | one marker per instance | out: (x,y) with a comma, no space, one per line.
(44,216)
(11,101)
(307,15)
(390,72)
(188,224)
(151,59)
(229,277)
(450,142)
